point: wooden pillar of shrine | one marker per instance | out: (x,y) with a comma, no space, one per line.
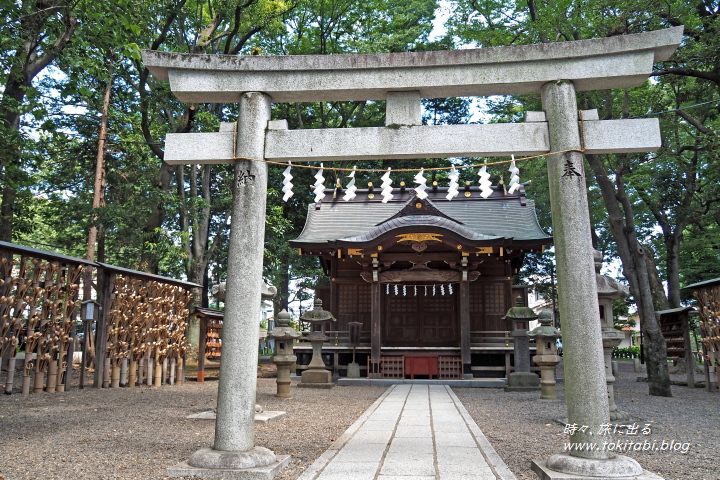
(375,316)
(465,328)
(334,290)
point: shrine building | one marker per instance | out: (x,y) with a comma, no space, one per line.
(429,279)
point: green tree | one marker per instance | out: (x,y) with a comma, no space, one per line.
(635,189)
(330,27)
(33,34)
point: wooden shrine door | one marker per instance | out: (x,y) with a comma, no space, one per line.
(421,321)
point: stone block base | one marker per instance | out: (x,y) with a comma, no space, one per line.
(522,382)
(353,370)
(316,376)
(262,417)
(544,473)
(257,473)
(563,466)
(326,386)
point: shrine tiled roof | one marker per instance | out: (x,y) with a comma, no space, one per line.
(497,220)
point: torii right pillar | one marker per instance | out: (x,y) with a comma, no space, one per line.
(585,387)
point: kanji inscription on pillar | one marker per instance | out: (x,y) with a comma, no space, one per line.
(245,178)
(569,169)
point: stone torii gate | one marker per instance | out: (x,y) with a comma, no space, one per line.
(556,71)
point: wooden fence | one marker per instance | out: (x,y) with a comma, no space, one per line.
(709,308)
(139,335)
(145,334)
(38,300)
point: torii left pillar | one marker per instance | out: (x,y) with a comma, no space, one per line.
(234,454)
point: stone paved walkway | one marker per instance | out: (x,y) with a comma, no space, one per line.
(412,432)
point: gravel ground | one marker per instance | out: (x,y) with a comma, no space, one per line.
(522,428)
(136,433)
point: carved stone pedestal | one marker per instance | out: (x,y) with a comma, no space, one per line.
(316,375)
(563,466)
(259,463)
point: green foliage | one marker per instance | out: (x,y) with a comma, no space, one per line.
(621,313)
(354,26)
(173,220)
(673,193)
(629,352)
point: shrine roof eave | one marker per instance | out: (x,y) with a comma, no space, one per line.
(395,228)
(671,311)
(209,313)
(328,247)
(612,62)
(705,284)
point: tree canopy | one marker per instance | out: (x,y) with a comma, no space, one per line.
(657,213)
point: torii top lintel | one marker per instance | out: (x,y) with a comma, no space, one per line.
(614,62)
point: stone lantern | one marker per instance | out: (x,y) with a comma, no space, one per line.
(316,374)
(284,336)
(546,356)
(608,290)
(522,379)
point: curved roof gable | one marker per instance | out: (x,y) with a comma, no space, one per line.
(400,224)
(497,219)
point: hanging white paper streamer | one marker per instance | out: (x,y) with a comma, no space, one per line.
(416,290)
(426,290)
(396,289)
(420,189)
(287,185)
(386,187)
(350,188)
(485,183)
(319,190)
(514,177)
(450,288)
(453,187)
(433,290)
(404,291)
(387,289)
(442,289)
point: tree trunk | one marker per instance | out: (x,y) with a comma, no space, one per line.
(283,286)
(100,183)
(6,209)
(10,141)
(672,259)
(635,269)
(192,334)
(660,300)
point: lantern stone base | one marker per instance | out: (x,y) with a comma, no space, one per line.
(224,465)
(316,378)
(618,467)
(522,382)
(322,386)
(260,417)
(619,415)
